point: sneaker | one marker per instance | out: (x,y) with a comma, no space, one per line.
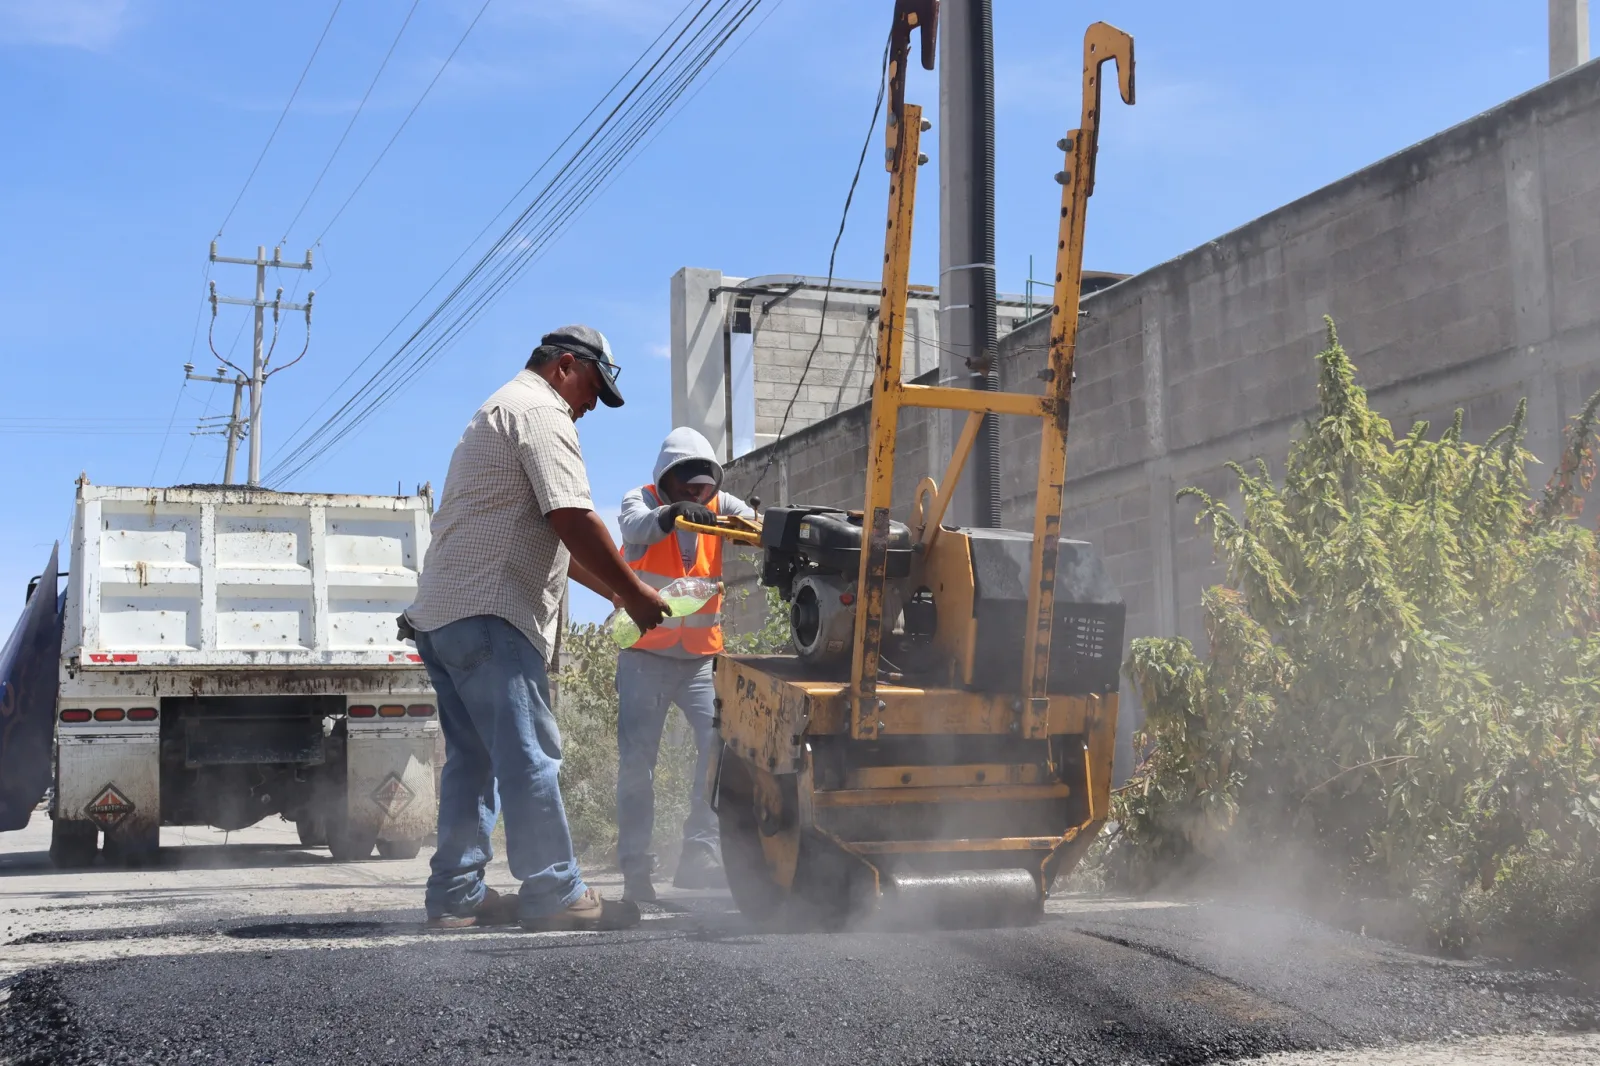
(638,888)
(588,913)
(699,867)
(493,909)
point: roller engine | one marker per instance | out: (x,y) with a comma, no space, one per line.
(811,555)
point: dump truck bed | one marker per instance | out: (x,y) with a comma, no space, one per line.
(224,577)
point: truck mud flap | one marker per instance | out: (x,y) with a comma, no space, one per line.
(28,678)
(390,783)
(114,782)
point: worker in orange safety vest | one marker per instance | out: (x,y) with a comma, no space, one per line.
(671,663)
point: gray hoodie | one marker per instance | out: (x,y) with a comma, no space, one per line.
(640,519)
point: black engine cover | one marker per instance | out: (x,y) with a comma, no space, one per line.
(1086,639)
(826,538)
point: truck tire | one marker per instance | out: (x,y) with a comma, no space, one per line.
(73,843)
(399,849)
(313,831)
(350,845)
(139,850)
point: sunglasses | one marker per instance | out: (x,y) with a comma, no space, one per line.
(611,370)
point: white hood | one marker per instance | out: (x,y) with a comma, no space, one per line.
(682,444)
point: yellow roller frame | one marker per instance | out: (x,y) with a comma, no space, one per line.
(729,527)
(1102,43)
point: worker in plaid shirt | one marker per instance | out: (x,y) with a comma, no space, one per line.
(515,522)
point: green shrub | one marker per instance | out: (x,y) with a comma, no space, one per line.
(1402,688)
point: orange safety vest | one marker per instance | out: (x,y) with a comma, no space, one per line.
(699,633)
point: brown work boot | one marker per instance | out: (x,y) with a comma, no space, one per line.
(587,913)
(493,909)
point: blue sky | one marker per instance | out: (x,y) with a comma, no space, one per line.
(129,127)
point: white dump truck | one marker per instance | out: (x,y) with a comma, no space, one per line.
(229,654)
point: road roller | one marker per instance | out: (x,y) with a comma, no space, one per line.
(938,746)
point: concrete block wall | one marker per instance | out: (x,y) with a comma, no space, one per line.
(792,385)
(840,371)
(784,332)
(1463,272)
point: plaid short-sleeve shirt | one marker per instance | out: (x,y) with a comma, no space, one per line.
(493,550)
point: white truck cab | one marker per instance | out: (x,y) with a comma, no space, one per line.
(231,653)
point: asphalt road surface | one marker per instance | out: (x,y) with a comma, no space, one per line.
(263,952)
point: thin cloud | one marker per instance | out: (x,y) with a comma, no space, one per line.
(93,25)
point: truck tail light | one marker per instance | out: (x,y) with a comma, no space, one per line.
(108,714)
(142,714)
(391,710)
(420,710)
(363,712)
(75,716)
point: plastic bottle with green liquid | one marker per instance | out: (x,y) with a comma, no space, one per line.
(685,596)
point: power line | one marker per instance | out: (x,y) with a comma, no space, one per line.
(822,321)
(601,168)
(285,114)
(403,122)
(323,259)
(488,225)
(612,164)
(187,452)
(352,123)
(165,437)
(587,170)
(702,86)
(238,335)
(194,339)
(529,247)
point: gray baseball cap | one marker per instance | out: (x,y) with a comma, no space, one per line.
(590,344)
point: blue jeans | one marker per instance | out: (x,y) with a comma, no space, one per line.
(646,685)
(494,710)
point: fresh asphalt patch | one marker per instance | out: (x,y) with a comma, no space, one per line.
(1100,982)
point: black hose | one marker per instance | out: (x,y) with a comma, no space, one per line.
(986,512)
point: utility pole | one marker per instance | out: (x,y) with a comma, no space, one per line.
(263,352)
(235,427)
(967,326)
(1569,35)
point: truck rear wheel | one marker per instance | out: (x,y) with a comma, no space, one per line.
(132,850)
(346,842)
(350,847)
(399,849)
(73,843)
(313,831)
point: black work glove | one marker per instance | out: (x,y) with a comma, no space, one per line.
(698,513)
